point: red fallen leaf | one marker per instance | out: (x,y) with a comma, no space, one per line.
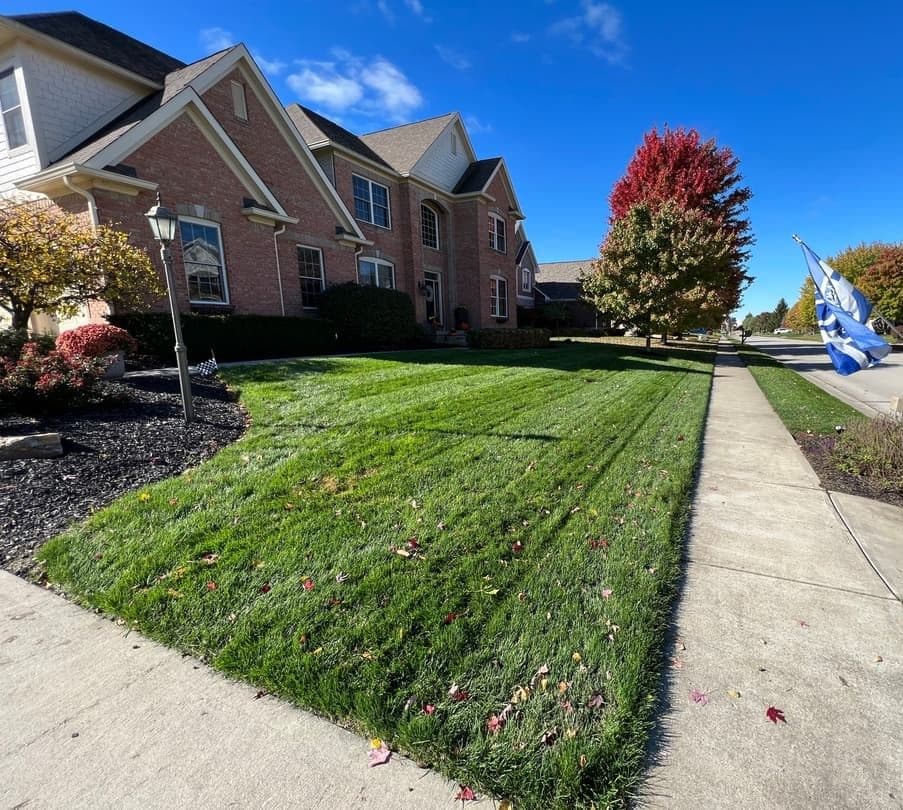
(429,708)
(600,543)
(465,794)
(494,724)
(265,588)
(308,584)
(413,544)
(699,697)
(449,618)
(211,586)
(378,756)
(334,601)
(517,547)
(775,715)
(461,695)
(596,701)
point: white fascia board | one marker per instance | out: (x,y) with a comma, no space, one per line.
(266,217)
(506,178)
(240,55)
(96,178)
(188,101)
(29,34)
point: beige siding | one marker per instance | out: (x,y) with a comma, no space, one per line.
(438,165)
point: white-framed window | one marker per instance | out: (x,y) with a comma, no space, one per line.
(202,254)
(498,297)
(11,110)
(311,276)
(429,227)
(526,279)
(376,273)
(371,201)
(239,101)
(497,233)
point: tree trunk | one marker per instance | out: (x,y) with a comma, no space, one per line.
(20,318)
(648,340)
(665,336)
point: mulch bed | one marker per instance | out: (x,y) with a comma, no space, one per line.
(109,449)
(817,450)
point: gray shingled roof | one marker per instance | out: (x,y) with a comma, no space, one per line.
(103,42)
(559,290)
(401,147)
(564,272)
(315,129)
(174,83)
(477,176)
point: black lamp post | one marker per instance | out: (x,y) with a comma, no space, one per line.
(163,223)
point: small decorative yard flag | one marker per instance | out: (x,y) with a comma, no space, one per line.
(842,312)
(207,368)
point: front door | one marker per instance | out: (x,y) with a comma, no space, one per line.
(433,289)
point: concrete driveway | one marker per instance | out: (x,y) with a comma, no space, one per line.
(868,391)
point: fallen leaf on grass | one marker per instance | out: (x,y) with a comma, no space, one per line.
(143,497)
(699,697)
(429,708)
(517,547)
(288,506)
(449,618)
(458,694)
(596,701)
(606,593)
(775,715)
(413,544)
(308,584)
(341,577)
(600,543)
(265,588)
(465,794)
(210,558)
(211,586)
(576,658)
(494,724)
(402,552)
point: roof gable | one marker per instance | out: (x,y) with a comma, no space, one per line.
(477,176)
(563,272)
(401,147)
(99,40)
(317,131)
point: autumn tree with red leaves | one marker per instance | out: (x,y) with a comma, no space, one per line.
(677,167)
(883,283)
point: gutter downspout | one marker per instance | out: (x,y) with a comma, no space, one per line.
(92,203)
(277,232)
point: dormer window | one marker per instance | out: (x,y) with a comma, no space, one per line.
(239,101)
(11,109)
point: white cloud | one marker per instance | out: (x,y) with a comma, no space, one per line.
(475,126)
(599,28)
(451,57)
(349,84)
(416,6)
(520,37)
(271,66)
(216,39)
(384,9)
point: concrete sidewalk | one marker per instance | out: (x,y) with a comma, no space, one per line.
(94,717)
(781,606)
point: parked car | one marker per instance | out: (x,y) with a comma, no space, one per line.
(782,330)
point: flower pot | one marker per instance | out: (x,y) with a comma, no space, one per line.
(115,366)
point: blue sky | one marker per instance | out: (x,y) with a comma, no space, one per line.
(806,94)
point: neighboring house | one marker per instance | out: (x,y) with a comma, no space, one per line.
(559,283)
(99,123)
(440,223)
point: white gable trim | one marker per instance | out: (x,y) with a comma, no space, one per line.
(188,102)
(468,146)
(506,178)
(240,57)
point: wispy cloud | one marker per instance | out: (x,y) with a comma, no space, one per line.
(475,126)
(386,10)
(416,7)
(520,37)
(599,28)
(348,84)
(451,57)
(216,39)
(273,67)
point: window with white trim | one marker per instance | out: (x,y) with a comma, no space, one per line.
(371,201)
(526,279)
(498,297)
(311,276)
(497,233)
(239,101)
(11,110)
(202,254)
(376,273)
(429,227)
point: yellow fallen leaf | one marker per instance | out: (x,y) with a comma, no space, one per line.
(318,651)
(734,694)
(505,805)
(563,687)
(368,656)
(577,658)
(543,684)
(402,552)
(143,496)
(376,742)
(570,733)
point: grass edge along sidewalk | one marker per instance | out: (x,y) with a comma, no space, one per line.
(470,555)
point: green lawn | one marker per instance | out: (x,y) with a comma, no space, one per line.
(801,405)
(505,523)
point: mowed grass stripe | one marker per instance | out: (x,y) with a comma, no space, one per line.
(554,450)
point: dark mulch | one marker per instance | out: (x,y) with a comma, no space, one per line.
(817,450)
(108,450)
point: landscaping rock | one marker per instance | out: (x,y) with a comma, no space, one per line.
(108,450)
(38,445)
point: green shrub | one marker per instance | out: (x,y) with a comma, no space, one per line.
(229,337)
(873,449)
(508,338)
(12,341)
(44,381)
(370,317)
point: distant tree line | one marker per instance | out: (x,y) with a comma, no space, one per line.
(767,322)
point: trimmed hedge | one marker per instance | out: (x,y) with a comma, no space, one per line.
(370,317)
(508,338)
(229,337)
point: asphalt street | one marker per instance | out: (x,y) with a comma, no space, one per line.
(869,391)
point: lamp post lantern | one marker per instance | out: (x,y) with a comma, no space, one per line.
(163,223)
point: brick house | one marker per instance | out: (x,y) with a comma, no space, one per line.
(274,204)
(559,283)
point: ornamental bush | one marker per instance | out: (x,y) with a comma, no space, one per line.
(370,317)
(95,340)
(508,338)
(39,381)
(13,340)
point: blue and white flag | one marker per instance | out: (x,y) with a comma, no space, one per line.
(842,312)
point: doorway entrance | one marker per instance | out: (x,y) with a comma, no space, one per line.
(433,294)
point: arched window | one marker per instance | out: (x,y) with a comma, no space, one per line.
(429,227)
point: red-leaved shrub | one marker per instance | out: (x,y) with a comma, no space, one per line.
(95,340)
(42,382)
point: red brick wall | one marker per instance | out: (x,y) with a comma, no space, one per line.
(491,261)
